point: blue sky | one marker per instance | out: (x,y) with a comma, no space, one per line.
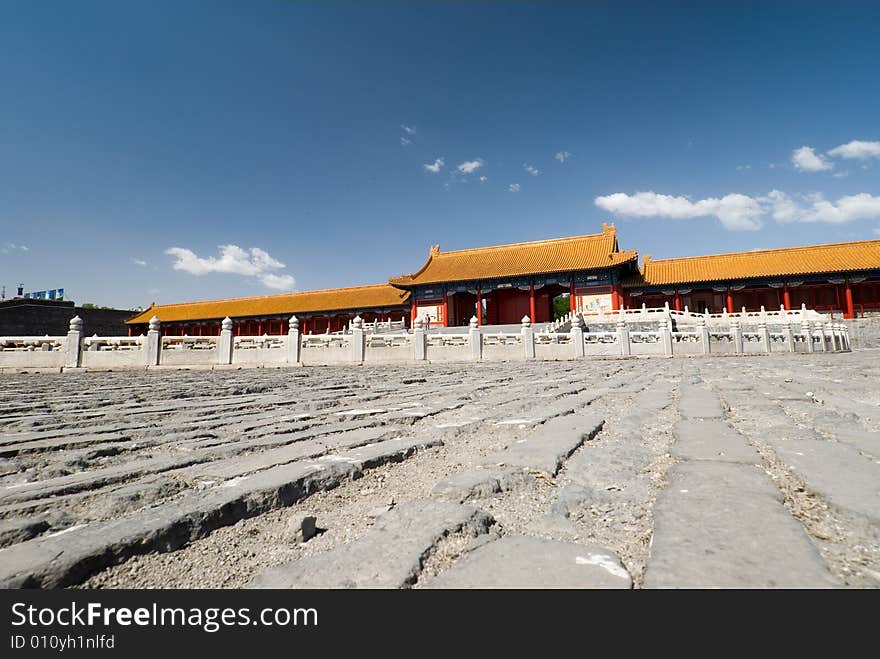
(136,137)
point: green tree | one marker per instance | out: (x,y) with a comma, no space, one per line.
(560,306)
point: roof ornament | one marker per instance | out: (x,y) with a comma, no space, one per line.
(435,249)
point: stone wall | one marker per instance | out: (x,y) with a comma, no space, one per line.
(865,332)
(25,317)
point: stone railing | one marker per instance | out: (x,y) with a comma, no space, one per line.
(360,346)
(646,314)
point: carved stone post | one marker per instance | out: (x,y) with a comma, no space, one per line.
(764,334)
(358,340)
(73,348)
(835,341)
(736,331)
(808,335)
(476,339)
(528,338)
(420,341)
(789,336)
(703,329)
(623,336)
(154,342)
(577,335)
(820,330)
(294,341)
(225,342)
(666,337)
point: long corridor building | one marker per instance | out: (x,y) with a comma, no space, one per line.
(501,284)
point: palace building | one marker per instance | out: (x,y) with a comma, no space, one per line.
(502,284)
(499,285)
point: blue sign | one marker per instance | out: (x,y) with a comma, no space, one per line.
(54,294)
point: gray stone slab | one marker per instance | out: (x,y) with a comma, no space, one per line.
(723,525)
(65,432)
(68,557)
(390,450)
(699,403)
(58,443)
(71,556)
(478,483)
(836,471)
(527,562)
(95,478)
(548,447)
(862,440)
(246,464)
(389,556)
(712,439)
(19,530)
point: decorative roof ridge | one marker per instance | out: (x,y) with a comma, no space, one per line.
(264,297)
(772,250)
(527,243)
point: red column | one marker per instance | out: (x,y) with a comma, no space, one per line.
(445,309)
(413,311)
(850,311)
(677,301)
(532,302)
(786,297)
(729,301)
(479,308)
(572,302)
(615,299)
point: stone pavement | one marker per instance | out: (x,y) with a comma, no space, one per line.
(708,472)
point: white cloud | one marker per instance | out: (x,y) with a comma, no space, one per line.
(562,156)
(513,187)
(405,142)
(742,168)
(816,208)
(409,130)
(233,259)
(483,179)
(12,247)
(734,211)
(857,149)
(139,262)
(278,282)
(807,160)
(531,169)
(842,174)
(436,167)
(470,166)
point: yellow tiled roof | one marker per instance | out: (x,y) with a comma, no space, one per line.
(333,299)
(790,261)
(543,256)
